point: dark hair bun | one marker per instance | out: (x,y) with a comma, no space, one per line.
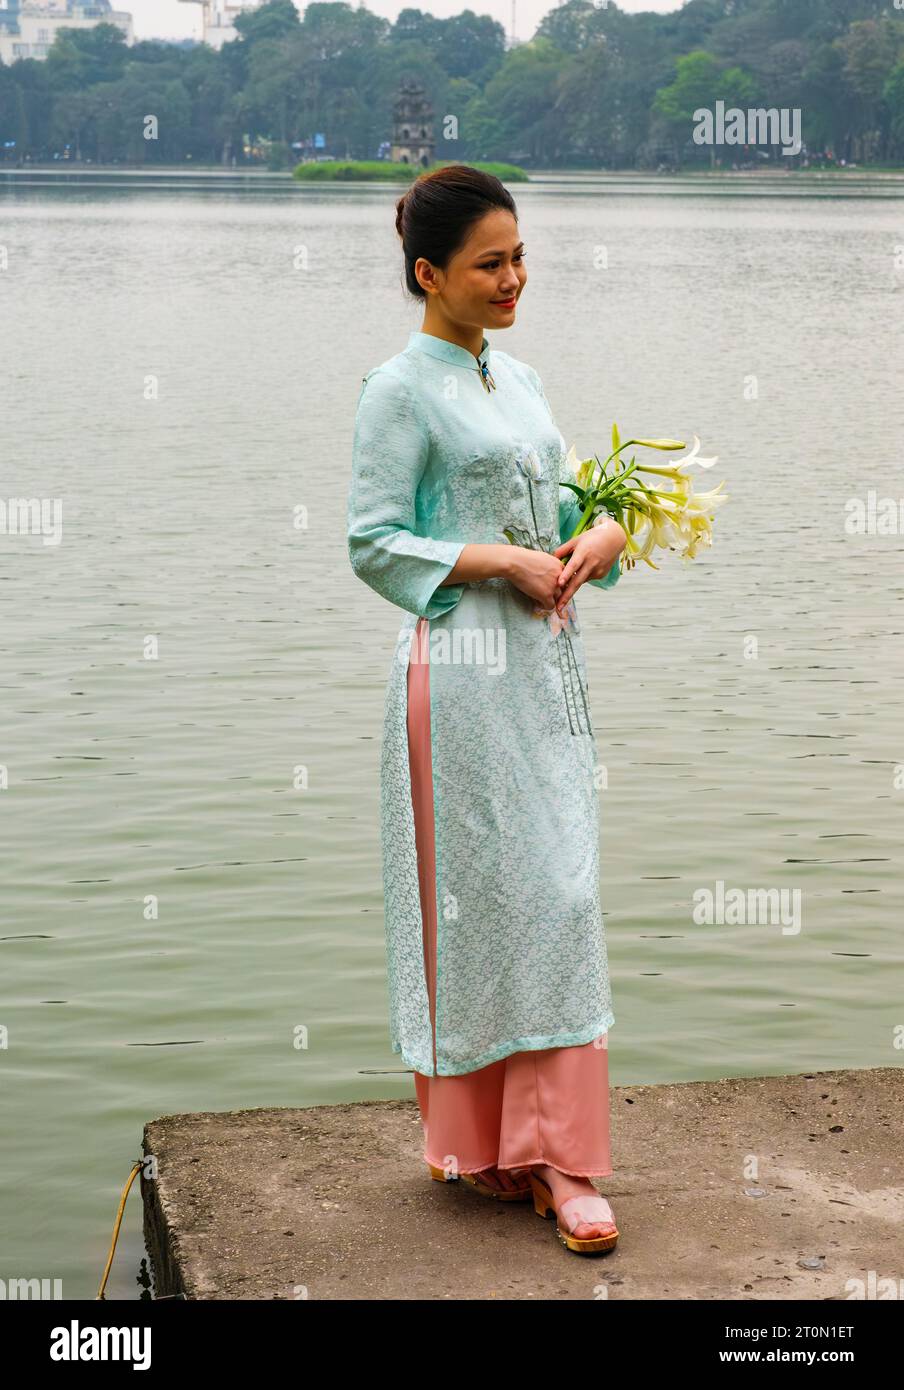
(400,214)
(435,216)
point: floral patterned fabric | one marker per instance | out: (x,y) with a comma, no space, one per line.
(438,462)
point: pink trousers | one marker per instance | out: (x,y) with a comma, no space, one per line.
(543,1107)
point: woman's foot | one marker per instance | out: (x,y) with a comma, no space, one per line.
(508,1184)
(588,1218)
(502,1180)
(505,1179)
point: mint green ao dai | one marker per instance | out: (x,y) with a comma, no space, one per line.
(438,462)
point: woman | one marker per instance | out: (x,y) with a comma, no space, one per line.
(497,969)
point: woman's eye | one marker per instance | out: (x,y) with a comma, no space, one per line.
(491,265)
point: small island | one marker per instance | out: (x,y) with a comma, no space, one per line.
(410,151)
(393,171)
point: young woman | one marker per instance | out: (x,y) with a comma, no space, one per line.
(497,968)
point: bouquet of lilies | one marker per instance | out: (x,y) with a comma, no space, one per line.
(666,514)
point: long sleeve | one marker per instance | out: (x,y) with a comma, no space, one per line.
(389,456)
(569,508)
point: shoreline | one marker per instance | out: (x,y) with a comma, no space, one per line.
(772,1188)
(285,175)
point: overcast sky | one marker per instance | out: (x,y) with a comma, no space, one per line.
(169,19)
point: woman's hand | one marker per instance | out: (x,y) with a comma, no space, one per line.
(536,573)
(593,554)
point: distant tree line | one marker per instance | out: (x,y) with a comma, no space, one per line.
(594,87)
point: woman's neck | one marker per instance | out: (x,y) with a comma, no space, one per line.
(466,335)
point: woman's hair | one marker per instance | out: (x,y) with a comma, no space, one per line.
(434,218)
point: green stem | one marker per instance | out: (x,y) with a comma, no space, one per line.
(530,493)
(613,489)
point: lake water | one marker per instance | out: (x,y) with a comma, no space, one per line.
(747,706)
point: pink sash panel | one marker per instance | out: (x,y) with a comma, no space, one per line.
(548,1106)
(421,767)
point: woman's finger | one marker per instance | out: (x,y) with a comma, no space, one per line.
(569,569)
(577,579)
(565,547)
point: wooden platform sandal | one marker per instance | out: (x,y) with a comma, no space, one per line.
(475,1180)
(574,1212)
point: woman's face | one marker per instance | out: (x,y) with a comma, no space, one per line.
(483,281)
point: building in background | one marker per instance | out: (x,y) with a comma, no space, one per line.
(29,27)
(412,125)
(218,18)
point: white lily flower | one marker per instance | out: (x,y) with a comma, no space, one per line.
(580,469)
(703,503)
(693,456)
(662,512)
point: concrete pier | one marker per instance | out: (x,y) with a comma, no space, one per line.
(774,1187)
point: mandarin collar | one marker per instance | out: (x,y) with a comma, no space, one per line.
(449,352)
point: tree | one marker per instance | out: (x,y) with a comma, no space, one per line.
(471,46)
(525,93)
(822,96)
(589,106)
(275,20)
(699,83)
(696,85)
(78,58)
(893,97)
(574,26)
(596,84)
(870,51)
